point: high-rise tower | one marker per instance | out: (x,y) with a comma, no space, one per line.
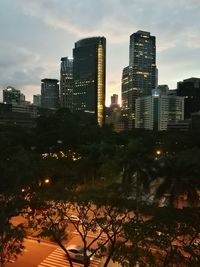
(49,93)
(66,83)
(89,73)
(140,77)
(190,89)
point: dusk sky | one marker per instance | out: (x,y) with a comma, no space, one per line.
(35,34)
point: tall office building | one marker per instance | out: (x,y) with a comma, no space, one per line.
(140,77)
(190,89)
(49,93)
(114,100)
(13,96)
(157,111)
(142,58)
(129,94)
(89,73)
(66,83)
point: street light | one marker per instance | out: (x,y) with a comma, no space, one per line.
(47,181)
(158,152)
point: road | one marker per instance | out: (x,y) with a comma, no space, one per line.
(45,254)
(34,253)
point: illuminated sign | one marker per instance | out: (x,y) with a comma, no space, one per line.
(156,92)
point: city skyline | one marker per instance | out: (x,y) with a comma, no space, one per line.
(36,34)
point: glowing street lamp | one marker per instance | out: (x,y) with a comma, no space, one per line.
(47,181)
(158,152)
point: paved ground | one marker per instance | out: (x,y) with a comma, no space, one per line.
(58,259)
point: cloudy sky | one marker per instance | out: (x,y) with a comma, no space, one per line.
(35,34)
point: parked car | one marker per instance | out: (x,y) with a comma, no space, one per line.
(73,218)
(76,253)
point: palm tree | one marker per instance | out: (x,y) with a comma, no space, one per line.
(137,161)
(181,173)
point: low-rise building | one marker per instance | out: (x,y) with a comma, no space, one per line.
(156,111)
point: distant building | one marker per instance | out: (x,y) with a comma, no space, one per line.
(164,89)
(172,92)
(89,73)
(66,83)
(37,100)
(182,125)
(114,99)
(13,96)
(18,115)
(49,93)
(195,121)
(114,102)
(157,111)
(190,89)
(140,77)
(114,118)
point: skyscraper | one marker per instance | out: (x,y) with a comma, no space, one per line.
(140,77)
(66,83)
(114,100)
(37,100)
(190,89)
(142,58)
(129,94)
(49,93)
(89,73)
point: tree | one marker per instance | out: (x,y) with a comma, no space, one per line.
(18,168)
(137,163)
(181,176)
(105,222)
(170,235)
(11,237)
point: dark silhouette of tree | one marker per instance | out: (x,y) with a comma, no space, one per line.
(104,222)
(137,162)
(181,176)
(18,168)
(11,237)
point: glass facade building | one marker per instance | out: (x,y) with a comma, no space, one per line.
(142,59)
(49,93)
(66,83)
(89,73)
(140,77)
(190,89)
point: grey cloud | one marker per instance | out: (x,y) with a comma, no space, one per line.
(117,18)
(18,64)
(174,23)
(22,68)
